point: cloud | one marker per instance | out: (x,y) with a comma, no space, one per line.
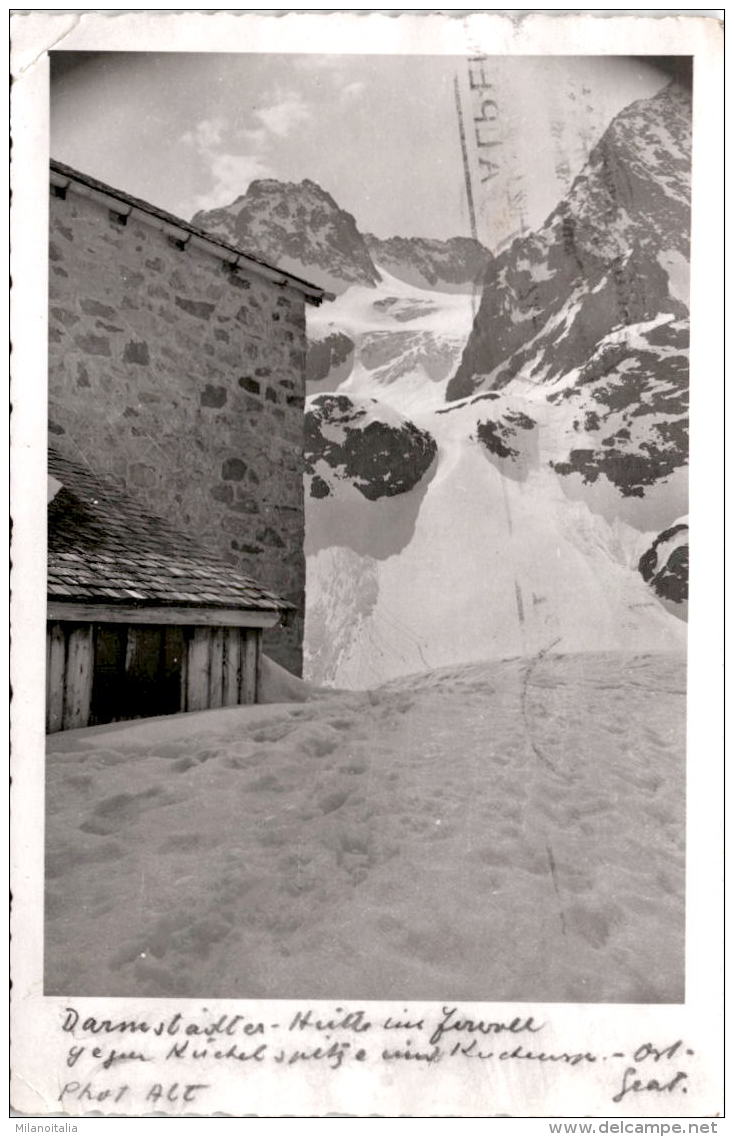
(352,89)
(283,116)
(228,170)
(256,138)
(232,158)
(206,134)
(231,174)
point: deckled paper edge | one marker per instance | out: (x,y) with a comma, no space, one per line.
(364,32)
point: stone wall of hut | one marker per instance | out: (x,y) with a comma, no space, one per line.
(184,381)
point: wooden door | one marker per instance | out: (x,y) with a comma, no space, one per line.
(137,672)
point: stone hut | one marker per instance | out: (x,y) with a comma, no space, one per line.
(141,620)
(177,372)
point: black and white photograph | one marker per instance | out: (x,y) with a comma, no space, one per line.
(367,536)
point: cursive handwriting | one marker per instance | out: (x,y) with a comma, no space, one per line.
(634,1085)
(453,1021)
(183,1043)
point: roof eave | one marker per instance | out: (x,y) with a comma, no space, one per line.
(63,176)
(184,615)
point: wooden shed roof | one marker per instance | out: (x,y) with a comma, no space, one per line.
(103,549)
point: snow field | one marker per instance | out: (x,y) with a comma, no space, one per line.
(499,831)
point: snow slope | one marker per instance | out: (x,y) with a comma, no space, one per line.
(498,831)
(487,556)
(408,341)
(560,433)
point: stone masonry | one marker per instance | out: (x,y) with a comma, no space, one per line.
(183,380)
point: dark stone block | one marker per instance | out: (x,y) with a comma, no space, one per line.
(249,384)
(136,352)
(243,506)
(94,345)
(271,395)
(54,428)
(108,327)
(213,396)
(222,493)
(233,470)
(233,277)
(94,308)
(132,279)
(198,308)
(268,536)
(68,319)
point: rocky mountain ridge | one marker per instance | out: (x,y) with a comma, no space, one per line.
(457,264)
(613,253)
(299,226)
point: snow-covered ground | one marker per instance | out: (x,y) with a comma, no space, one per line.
(501,831)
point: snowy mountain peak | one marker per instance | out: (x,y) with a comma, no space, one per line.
(613,253)
(299,226)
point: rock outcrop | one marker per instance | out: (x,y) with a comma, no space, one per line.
(665,566)
(363,442)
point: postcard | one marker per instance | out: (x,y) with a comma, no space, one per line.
(366,756)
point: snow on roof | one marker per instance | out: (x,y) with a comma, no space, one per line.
(103,548)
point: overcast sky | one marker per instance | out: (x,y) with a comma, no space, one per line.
(380,133)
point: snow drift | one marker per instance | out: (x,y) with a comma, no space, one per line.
(505,831)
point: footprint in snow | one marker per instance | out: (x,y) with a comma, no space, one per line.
(592,925)
(60,860)
(119,810)
(329,802)
(273,733)
(354,767)
(265,782)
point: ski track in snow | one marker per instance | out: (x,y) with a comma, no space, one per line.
(402,843)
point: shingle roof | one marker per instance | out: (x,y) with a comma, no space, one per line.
(103,548)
